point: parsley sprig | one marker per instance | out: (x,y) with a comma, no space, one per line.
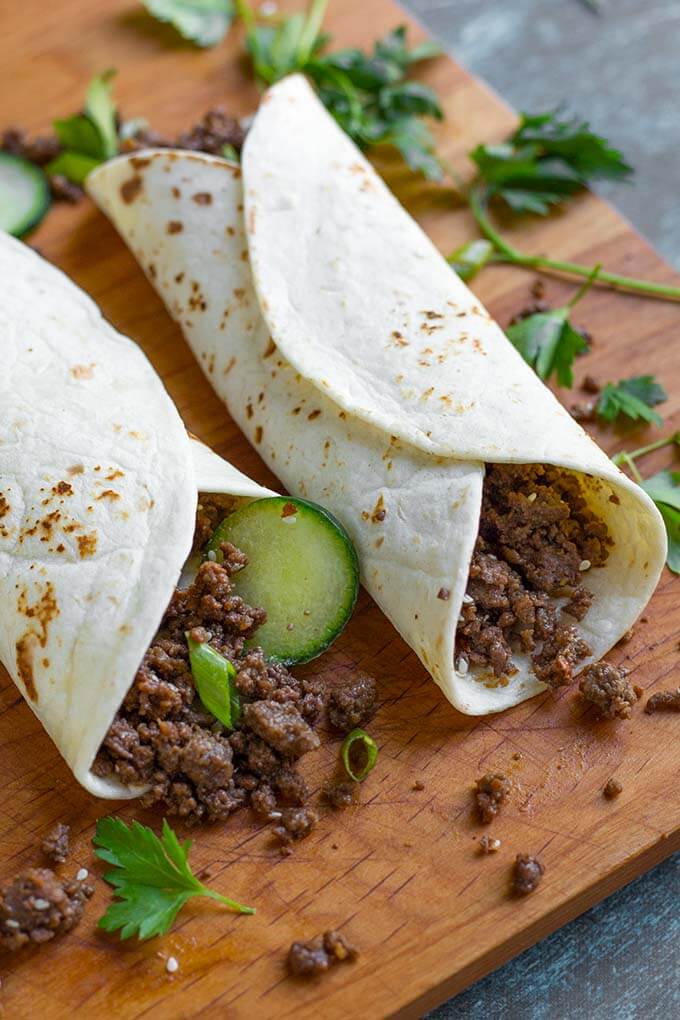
(369,94)
(632,398)
(88,138)
(204,22)
(663,488)
(152,878)
(544,163)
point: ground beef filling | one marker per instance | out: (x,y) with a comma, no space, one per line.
(163,738)
(37,905)
(608,688)
(306,959)
(537,538)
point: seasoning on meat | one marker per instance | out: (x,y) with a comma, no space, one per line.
(490,792)
(164,738)
(353,704)
(306,959)
(340,794)
(612,789)
(607,687)
(55,845)
(37,905)
(537,540)
(663,701)
(527,872)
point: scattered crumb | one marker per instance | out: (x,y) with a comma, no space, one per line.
(490,791)
(626,637)
(489,845)
(82,874)
(612,789)
(306,959)
(607,687)
(538,289)
(171,965)
(590,385)
(418,785)
(527,872)
(55,845)
(663,701)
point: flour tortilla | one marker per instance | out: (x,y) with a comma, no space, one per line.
(364,372)
(98,491)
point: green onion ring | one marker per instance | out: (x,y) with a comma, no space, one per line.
(370,747)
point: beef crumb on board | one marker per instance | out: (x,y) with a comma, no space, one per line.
(37,905)
(490,792)
(489,845)
(607,688)
(163,737)
(527,872)
(537,539)
(663,701)
(55,845)
(340,793)
(353,704)
(612,789)
(307,959)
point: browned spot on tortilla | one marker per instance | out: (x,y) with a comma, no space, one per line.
(130,189)
(179,277)
(76,469)
(399,339)
(4,506)
(62,489)
(244,255)
(174,227)
(108,494)
(313,414)
(271,348)
(289,509)
(477,344)
(251,220)
(296,410)
(87,544)
(176,193)
(365,515)
(342,414)
(433,315)
(239,293)
(139,162)
(45,663)
(379,541)
(83,371)
(152,271)
(202,198)
(61,548)
(41,613)
(249,410)
(230,364)
(115,474)
(379,512)
(444,594)
(259,432)
(230,231)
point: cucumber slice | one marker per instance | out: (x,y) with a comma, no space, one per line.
(302,568)
(24,194)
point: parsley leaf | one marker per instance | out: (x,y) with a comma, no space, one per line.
(549,343)
(368,94)
(88,138)
(664,489)
(546,160)
(205,22)
(152,880)
(633,398)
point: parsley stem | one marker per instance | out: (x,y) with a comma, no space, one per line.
(238,907)
(310,32)
(628,458)
(506,253)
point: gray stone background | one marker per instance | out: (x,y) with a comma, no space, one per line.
(621,70)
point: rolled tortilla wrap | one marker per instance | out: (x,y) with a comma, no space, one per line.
(365,373)
(98,492)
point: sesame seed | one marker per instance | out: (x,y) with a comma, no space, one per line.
(171,965)
(82,875)
(212,555)
(532,497)
(468,599)
(584,565)
(462,666)
(40,904)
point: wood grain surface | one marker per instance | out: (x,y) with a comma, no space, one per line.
(400,874)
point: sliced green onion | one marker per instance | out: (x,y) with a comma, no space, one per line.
(370,749)
(214,678)
(470,258)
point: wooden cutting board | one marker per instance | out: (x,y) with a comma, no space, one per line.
(401,873)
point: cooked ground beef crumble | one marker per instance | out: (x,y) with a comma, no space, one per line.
(163,737)
(55,845)
(490,792)
(37,905)
(537,538)
(305,959)
(663,701)
(607,688)
(527,872)
(353,704)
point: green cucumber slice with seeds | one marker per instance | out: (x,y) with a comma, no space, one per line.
(24,194)
(302,568)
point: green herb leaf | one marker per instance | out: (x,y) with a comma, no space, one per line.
(664,489)
(471,257)
(101,110)
(88,138)
(214,678)
(349,748)
(152,879)
(549,343)
(633,398)
(205,22)
(74,166)
(546,160)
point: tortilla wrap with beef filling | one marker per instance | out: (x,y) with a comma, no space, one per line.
(98,494)
(371,380)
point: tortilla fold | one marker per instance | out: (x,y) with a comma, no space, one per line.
(98,493)
(365,373)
